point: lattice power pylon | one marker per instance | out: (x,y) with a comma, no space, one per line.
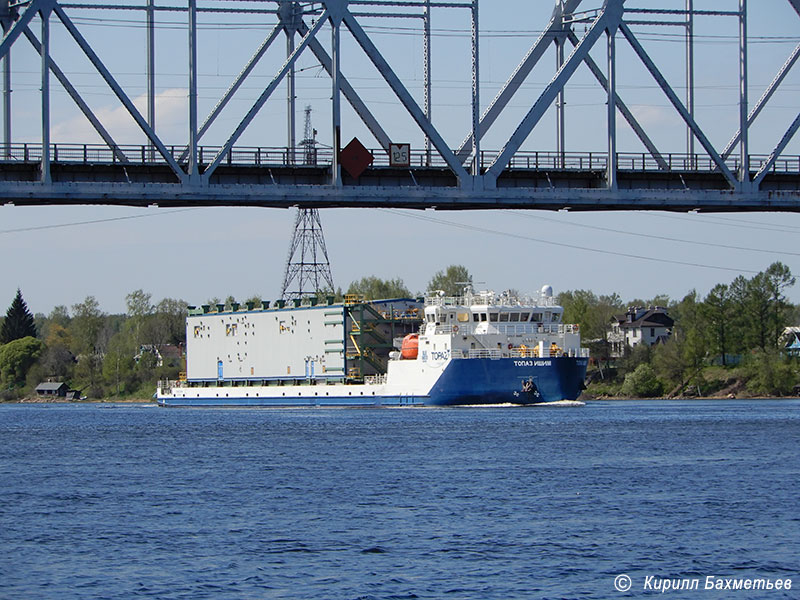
(308,270)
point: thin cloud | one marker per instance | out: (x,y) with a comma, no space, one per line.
(171,121)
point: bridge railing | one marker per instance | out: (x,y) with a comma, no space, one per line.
(258,156)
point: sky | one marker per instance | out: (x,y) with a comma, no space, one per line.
(60,255)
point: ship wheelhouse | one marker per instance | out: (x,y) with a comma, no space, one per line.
(479,324)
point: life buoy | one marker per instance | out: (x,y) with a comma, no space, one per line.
(455,328)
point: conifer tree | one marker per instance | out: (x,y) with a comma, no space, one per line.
(18,322)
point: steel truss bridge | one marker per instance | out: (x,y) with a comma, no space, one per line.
(704,177)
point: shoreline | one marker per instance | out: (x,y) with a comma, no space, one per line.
(36,400)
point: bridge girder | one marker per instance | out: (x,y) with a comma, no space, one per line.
(738,186)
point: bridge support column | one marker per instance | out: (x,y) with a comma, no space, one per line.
(744,145)
(151,73)
(611,176)
(690,77)
(560,106)
(426,74)
(336,104)
(45,165)
(290,91)
(194,172)
(476,97)
(5,21)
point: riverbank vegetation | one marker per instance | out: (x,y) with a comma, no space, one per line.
(729,342)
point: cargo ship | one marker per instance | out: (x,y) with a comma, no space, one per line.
(474,349)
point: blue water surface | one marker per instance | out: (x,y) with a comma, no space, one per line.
(128,501)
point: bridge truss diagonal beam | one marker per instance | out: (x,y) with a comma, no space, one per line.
(349,93)
(673,98)
(237,83)
(262,99)
(770,162)
(554,30)
(405,97)
(765,97)
(15,30)
(118,91)
(547,97)
(623,108)
(76,97)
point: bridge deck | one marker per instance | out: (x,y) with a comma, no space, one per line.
(263,176)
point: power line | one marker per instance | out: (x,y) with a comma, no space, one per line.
(562,244)
(94,221)
(653,236)
(741,225)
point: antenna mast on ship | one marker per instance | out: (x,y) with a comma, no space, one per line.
(308,270)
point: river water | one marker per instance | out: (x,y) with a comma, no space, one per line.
(129,501)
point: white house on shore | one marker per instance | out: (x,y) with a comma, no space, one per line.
(639,326)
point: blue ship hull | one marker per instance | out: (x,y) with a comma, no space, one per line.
(509,380)
(478,381)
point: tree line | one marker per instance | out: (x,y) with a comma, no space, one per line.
(737,327)
(123,355)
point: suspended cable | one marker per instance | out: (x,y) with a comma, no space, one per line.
(160,213)
(652,236)
(776,228)
(660,260)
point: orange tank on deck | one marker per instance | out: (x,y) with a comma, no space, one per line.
(410,347)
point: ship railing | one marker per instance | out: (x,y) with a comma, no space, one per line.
(468,328)
(480,353)
(490,299)
(523,328)
(375,379)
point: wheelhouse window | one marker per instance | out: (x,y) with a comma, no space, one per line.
(493,317)
(504,317)
(514,317)
(476,317)
(524,317)
(483,317)
(537,317)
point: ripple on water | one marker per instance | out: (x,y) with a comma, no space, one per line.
(319,504)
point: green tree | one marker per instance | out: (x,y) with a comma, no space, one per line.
(452,280)
(16,357)
(689,330)
(57,361)
(769,373)
(762,306)
(170,321)
(140,308)
(779,279)
(119,366)
(89,330)
(718,313)
(374,288)
(669,363)
(642,383)
(19,321)
(86,325)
